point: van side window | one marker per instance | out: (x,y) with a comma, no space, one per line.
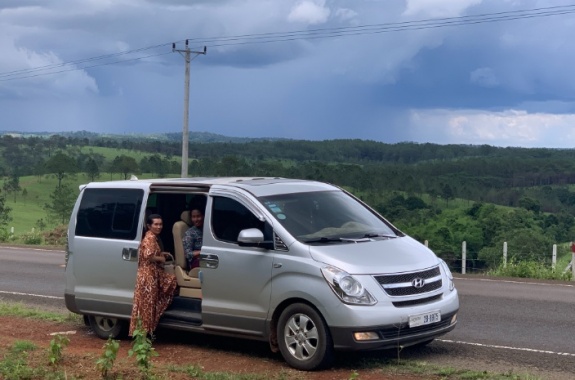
(109,213)
(229,217)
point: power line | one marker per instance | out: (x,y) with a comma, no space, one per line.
(84,67)
(62,64)
(310,34)
(382,28)
(406,25)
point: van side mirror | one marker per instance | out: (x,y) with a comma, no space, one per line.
(252,237)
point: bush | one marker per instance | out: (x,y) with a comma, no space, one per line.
(32,238)
(57,236)
(4,235)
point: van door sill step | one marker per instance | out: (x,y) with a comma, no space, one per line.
(181,316)
(188,304)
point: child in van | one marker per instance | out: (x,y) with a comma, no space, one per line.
(193,236)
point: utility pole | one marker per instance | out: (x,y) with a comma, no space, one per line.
(186,53)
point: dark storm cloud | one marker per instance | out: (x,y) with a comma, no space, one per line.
(497,83)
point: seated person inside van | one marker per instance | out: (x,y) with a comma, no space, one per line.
(193,237)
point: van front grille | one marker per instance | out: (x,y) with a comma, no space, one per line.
(410,284)
(418,301)
(407,277)
(410,290)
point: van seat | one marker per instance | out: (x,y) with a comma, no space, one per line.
(178,231)
(189,283)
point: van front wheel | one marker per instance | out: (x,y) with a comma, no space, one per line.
(105,327)
(303,338)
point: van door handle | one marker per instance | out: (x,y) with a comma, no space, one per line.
(130,254)
(278,265)
(209,261)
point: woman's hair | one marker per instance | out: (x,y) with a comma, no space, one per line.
(198,203)
(151,217)
(201,210)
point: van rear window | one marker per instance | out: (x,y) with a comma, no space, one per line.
(109,213)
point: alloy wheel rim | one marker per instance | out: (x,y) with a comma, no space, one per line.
(301,337)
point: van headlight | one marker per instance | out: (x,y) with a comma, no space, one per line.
(448,274)
(346,287)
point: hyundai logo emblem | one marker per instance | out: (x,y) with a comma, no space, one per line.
(418,283)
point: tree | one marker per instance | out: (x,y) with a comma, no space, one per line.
(155,165)
(447,193)
(5,213)
(12,185)
(126,165)
(15,158)
(61,165)
(92,170)
(61,203)
(41,224)
(111,168)
(530,204)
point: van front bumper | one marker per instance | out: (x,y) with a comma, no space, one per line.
(391,336)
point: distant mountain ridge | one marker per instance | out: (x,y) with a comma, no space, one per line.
(198,137)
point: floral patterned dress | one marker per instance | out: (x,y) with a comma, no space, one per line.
(155,288)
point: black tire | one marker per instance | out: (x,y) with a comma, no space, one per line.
(106,327)
(304,339)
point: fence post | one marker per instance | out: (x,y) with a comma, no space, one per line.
(504,254)
(463,257)
(554,258)
(426,243)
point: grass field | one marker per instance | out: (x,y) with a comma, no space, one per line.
(111,153)
(29,208)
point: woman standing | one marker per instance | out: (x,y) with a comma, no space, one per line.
(154,287)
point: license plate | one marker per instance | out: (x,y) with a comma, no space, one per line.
(424,319)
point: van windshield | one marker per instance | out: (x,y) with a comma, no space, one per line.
(327,217)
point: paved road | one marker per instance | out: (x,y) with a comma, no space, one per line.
(33,276)
(504,325)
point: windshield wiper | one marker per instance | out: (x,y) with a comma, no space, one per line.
(374,235)
(338,240)
(328,240)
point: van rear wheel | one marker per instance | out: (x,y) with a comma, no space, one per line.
(303,338)
(105,327)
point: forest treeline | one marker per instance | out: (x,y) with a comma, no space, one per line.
(505,176)
(410,182)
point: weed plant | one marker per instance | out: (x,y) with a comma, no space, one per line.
(57,348)
(143,351)
(106,362)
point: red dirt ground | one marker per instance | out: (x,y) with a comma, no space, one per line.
(211,354)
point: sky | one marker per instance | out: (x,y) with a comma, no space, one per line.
(496,72)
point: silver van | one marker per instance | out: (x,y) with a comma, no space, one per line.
(304,265)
